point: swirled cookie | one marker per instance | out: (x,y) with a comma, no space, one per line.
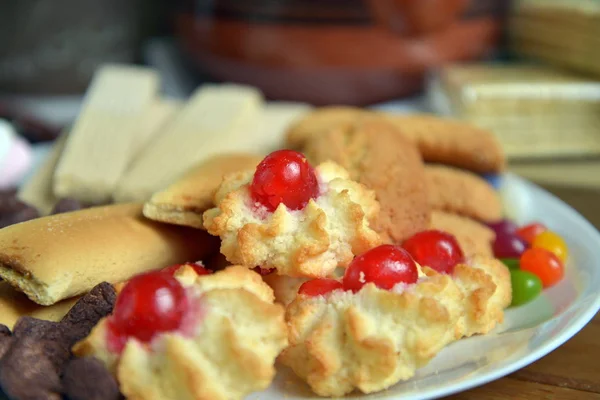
(373,338)
(224,348)
(312,240)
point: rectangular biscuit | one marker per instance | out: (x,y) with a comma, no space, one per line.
(211,122)
(60,256)
(37,191)
(102,140)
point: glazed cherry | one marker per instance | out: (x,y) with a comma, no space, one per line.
(149,304)
(385,266)
(284,176)
(319,287)
(435,249)
(199,268)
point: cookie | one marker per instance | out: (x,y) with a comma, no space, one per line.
(462,192)
(312,241)
(473,237)
(184,201)
(64,255)
(378,156)
(371,339)
(451,142)
(228,351)
(439,140)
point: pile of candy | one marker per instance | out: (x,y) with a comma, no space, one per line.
(535,256)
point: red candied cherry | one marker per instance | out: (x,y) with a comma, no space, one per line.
(199,268)
(435,249)
(385,266)
(319,287)
(149,304)
(284,176)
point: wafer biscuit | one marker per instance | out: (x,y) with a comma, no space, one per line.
(216,119)
(462,192)
(102,141)
(60,256)
(184,202)
(37,191)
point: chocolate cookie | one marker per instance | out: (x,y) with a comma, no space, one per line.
(473,237)
(462,192)
(377,156)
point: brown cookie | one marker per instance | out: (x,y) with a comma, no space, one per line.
(451,142)
(377,156)
(462,192)
(184,201)
(439,140)
(319,121)
(473,237)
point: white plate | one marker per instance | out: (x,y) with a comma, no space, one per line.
(528,333)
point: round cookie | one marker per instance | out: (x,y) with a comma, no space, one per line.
(462,192)
(319,121)
(456,143)
(377,156)
(473,237)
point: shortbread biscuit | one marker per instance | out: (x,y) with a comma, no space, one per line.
(327,233)
(372,339)
(377,156)
(473,237)
(439,140)
(228,353)
(184,201)
(60,256)
(14,305)
(451,142)
(462,192)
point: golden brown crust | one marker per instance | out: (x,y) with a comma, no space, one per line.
(473,237)
(326,234)
(184,201)
(377,156)
(61,256)
(462,192)
(439,140)
(231,354)
(452,142)
(374,338)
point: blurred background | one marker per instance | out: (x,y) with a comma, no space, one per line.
(529,70)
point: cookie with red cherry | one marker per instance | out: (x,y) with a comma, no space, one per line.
(388,316)
(293,218)
(182,322)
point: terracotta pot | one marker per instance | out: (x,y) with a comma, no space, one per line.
(334,51)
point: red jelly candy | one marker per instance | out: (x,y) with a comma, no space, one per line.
(435,249)
(319,287)
(198,268)
(385,266)
(284,176)
(529,232)
(149,304)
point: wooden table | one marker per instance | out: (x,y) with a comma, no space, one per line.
(573,370)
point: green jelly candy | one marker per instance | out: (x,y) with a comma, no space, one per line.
(511,263)
(525,287)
